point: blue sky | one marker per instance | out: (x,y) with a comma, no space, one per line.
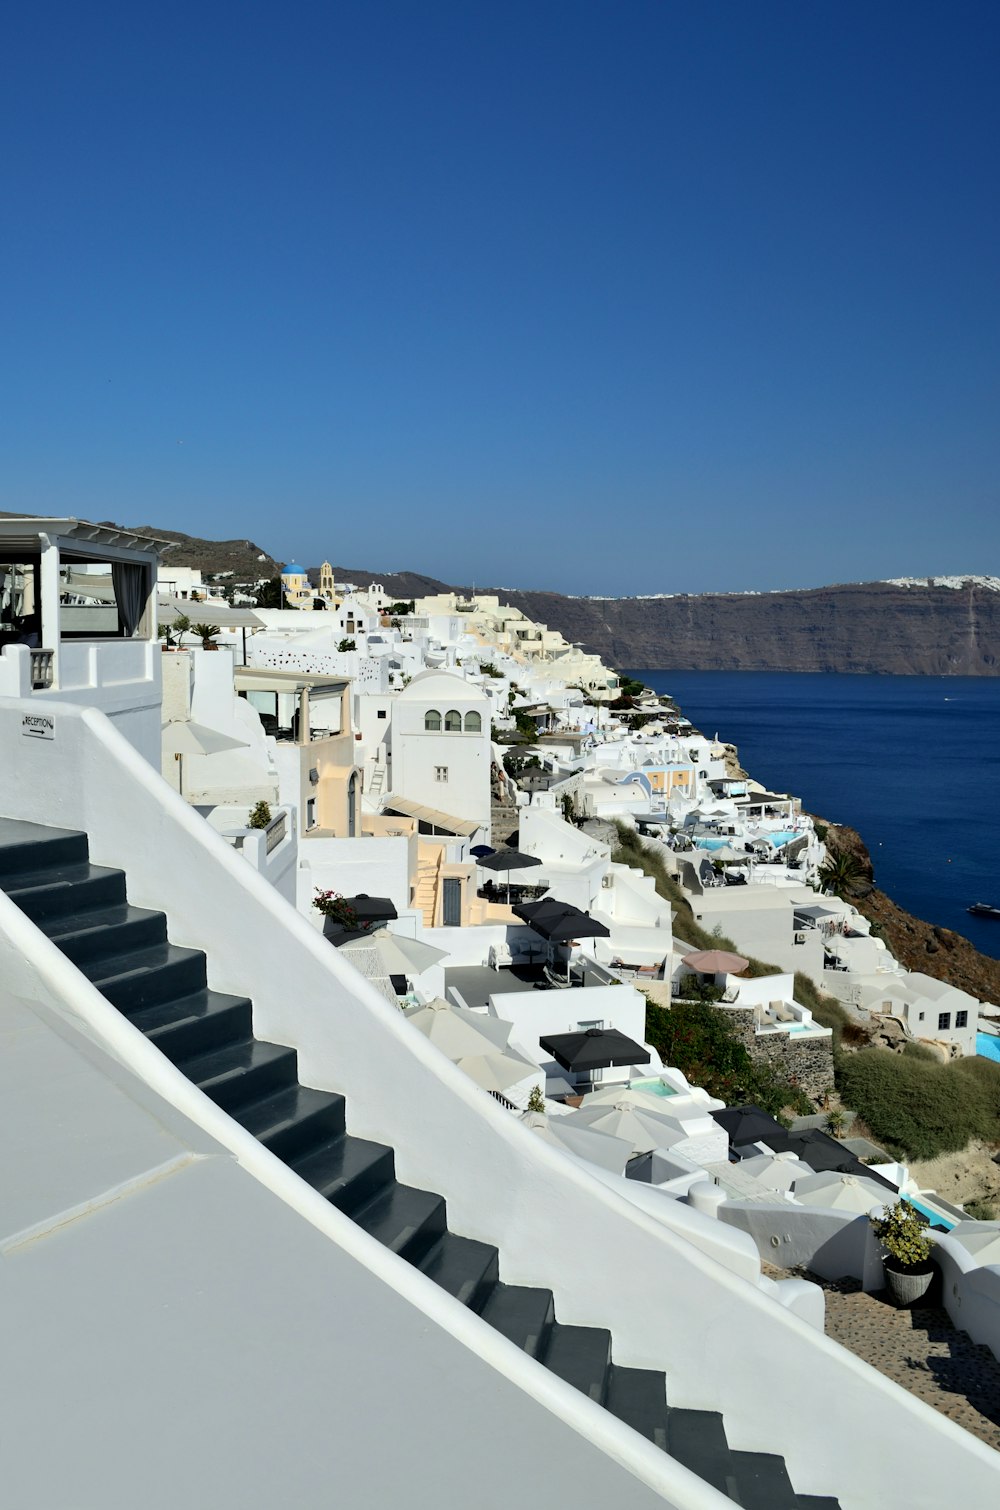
(633,296)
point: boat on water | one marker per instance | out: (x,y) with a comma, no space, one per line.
(984,910)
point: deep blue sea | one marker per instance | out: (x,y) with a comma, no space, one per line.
(913,763)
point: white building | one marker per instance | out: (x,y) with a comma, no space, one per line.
(440,747)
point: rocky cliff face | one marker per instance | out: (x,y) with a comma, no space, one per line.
(912,630)
(922,946)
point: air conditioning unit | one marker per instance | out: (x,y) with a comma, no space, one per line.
(607,882)
(800,938)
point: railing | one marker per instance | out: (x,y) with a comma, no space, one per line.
(41,669)
(276,831)
(499,1097)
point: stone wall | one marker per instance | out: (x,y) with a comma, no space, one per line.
(804,1062)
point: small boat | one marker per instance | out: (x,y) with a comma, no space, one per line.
(984,910)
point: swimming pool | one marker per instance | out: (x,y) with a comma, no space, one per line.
(936,1218)
(652,1087)
(988,1046)
(782,836)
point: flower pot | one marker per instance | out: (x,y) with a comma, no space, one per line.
(907,1283)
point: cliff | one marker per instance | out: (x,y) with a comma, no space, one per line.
(939,952)
(912,629)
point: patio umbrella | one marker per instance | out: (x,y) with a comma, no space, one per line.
(508,860)
(748,1124)
(644,1130)
(559,922)
(182,736)
(496,1069)
(399,956)
(778,1171)
(839,1192)
(481,849)
(715,962)
(457,1031)
(372,909)
(597,1148)
(979,1238)
(725,854)
(594,1049)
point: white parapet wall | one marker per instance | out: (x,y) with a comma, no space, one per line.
(725,1344)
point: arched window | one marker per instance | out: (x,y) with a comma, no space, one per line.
(473,723)
(432,720)
(452,722)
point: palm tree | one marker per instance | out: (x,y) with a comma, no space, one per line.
(840,872)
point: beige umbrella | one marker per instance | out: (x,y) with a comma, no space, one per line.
(399,955)
(839,1192)
(457,1030)
(496,1069)
(777,1171)
(182,736)
(596,1147)
(643,1129)
(979,1238)
(715,962)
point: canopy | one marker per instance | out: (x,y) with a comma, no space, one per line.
(594,1049)
(208,611)
(508,859)
(559,922)
(715,962)
(432,816)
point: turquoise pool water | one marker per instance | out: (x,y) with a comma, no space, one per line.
(652,1087)
(936,1219)
(782,836)
(988,1046)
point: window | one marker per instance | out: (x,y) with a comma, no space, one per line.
(961,1019)
(944,1020)
(440,773)
(920,1017)
(311,813)
(432,721)
(473,723)
(452,722)
(383,714)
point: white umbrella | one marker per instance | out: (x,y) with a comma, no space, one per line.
(457,1030)
(596,1147)
(644,1130)
(496,1069)
(182,736)
(979,1238)
(399,955)
(839,1192)
(777,1171)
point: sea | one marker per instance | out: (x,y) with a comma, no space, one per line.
(913,763)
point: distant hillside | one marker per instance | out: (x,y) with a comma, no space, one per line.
(941,626)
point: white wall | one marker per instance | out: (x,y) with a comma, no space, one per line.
(377,867)
(556,1226)
(833,1244)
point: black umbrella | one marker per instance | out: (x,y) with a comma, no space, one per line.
(372,909)
(481,849)
(508,860)
(594,1049)
(749,1124)
(559,922)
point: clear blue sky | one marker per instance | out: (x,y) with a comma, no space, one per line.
(631,296)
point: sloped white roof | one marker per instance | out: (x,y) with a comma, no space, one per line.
(441,686)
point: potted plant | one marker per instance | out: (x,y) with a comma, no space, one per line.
(907,1258)
(260,816)
(206,633)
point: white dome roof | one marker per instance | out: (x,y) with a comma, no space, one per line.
(441,687)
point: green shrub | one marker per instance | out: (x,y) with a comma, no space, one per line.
(917,1107)
(901,1233)
(920,1051)
(260,816)
(700,1041)
(981,1211)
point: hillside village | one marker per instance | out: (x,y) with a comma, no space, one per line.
(486,889)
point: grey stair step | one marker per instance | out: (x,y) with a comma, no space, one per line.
(404,1219)
(144,976)
(28,847)
(582,1356)
(105,931)
(464,1267)
(697,1438)
(763,1481)
(523,1314)
(236,1073)
(66,888)
(291,1121)
(347,1171)
(189,1025)
(638,1396)
(816,1502)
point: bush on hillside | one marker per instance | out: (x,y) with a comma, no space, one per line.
(700,1041)
(917,1108)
